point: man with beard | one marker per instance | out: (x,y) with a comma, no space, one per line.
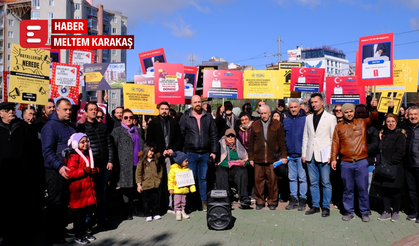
(21,182)
(164,132)
(226,119)
(46,112)
(200,133)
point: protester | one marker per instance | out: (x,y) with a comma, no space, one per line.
(46,112)
(116,118)
(172,113)
(28,114)
(256,113)
(243,135)
(179,193)
(128,142)
(148,177)
(392,147)
(247,108)
(280,109)
(266,142)
(207,107)
(226,119)
(337,111)
(54,136)
(80,163)
(317,137)
(349,142)
(402,114)
(100,116)
(200,133)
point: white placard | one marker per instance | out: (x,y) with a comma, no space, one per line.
(66,76)
(184,179)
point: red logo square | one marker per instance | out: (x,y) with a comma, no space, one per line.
(33,33)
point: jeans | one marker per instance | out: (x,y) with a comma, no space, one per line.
(355,173)
(296,170)
(198,163)
(317,171)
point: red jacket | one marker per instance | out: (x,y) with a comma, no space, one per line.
(82,186)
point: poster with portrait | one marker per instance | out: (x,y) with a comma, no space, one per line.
(144,79)
(149,58)
(223,84)
(376,60)
(190,81)
(104,76)
(262,84)
(285,75)
(344,89)
(140,99)
(307,79)
(169,83)
(65,82)
(405,77)
(80,57)
(200,80)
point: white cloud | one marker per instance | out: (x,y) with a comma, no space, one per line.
(203,9)
(413,4)
(180,28)
(414,23)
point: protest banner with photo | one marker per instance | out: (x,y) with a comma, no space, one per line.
(307,79)
(80,57)
(65,82)
(149,58)
(344,89)
(375,59)
(223,84)
(5,86)
(200,80)
(29,75)
(104,76)
(140,99)
(405,77)
(285,76)
(262,84)
(144,79)
(385,99)
(169,83)
(190,81)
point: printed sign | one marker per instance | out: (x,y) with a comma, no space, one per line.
(263,84)
(144,79)
(184,179)
(65,82)
(405,77)
(149,58)
(200,81)
(190,79)
(80,57)
(169,83)
(340,90)
(307,79)
(285,76)
(385,99)
(140,99)
(223,84)
(104,76)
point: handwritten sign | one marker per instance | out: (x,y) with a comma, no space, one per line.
(184,179)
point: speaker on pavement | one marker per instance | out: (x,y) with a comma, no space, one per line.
(219,210)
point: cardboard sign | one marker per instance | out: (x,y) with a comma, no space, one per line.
(285,76)
(385,99)
(376,60)
(169,83)
(405,77)
(80,57)
(65,82)
(140,99)
(149,58)
(223,84)
(262,84)
(307,79)
(144,79)
(184,179)
(29,75)
(104,76)
(190,81)
(340,90)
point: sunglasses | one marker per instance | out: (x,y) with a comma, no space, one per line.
(338,110)
(231,135)
(130,117)
(99,117)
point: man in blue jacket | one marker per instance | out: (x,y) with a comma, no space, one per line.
(55,135)
(294,128)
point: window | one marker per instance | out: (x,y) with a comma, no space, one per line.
(122,54)
(9,45)
(113,30)
(77,6)
(122,33)
(76,17)
(10,34)
(113,60)
(113,95)
(51,2)
(50,15)
(35,3)
(11,22)
(114,52)
(8,57)
(35,15)
(115,20)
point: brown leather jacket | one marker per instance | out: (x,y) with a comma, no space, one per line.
(258,152)
(350,139)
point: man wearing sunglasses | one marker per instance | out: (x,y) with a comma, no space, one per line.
(102,147)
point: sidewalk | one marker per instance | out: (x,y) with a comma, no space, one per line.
(279,227)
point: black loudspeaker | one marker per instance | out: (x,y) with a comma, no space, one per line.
(219,210)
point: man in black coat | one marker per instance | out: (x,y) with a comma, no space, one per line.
(21,177)
(102,147)
(164,132)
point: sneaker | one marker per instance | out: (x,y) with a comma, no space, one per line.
(204,206)
(412,217)
(384,216)
(184,215)
(365,218)
(395,217)
(149,219)
(325,212)
(157,217)
(348,217)
(90,237)
(81,240)
(313,210)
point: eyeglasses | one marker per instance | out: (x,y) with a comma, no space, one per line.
(99,117)
(338,110)
(130,117)
(231,135)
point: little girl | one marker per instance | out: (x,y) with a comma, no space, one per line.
(148,177)
(180,192)
(79,160)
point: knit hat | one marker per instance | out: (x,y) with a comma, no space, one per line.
(347,106)
(73,142)
(230,131)
(179,157)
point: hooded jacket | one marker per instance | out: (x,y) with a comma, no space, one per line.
(175,168)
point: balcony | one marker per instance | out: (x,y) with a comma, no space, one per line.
(105,18)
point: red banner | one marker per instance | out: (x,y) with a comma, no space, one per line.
(307,79)
(169,83)
(340,90)
(92,42)
(148,58)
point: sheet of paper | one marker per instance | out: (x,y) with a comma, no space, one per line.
(325,152)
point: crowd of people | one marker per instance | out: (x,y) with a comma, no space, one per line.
(320,159)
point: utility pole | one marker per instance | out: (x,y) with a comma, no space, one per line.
(192,60)
(279,50)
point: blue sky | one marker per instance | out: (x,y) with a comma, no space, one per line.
(242,31)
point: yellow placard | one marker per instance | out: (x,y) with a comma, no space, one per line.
(140,99)
(405,77)
(29,75)
(93,77)
(386,98)
(263,84)
(285,75)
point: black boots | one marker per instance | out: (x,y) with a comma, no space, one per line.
(293,204)
(302,204)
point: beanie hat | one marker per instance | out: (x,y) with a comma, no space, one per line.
(347,106)
(73,142)
(179,156)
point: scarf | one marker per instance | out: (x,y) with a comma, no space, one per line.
(135,139)
(232,145)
